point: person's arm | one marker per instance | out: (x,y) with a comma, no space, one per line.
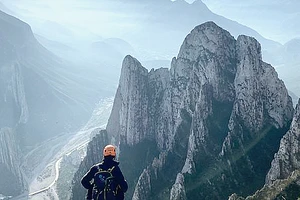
(120,179)
(86,179)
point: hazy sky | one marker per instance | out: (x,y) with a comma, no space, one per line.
(82,17)
(274,19)
(93,19)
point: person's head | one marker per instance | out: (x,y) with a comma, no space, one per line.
(109,151)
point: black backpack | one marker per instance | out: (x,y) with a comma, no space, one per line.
(105,184)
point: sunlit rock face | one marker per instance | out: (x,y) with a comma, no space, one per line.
(131,104)
(207,127)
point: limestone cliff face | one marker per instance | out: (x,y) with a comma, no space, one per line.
(287,160)
(14,36)
(10,164)
(282,180)
(135,111)
(131,104)
(207,127)
(261,101)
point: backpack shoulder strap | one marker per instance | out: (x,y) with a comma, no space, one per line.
(111,169)
(99,166)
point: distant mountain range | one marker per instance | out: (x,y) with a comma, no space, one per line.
(160,20)
(275,19)
(286,60)
(147,26)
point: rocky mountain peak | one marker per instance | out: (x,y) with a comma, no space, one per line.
(129,108)
(200,126)
(207,36)
(131,69)
(130,63)
(221,99)
(248,46)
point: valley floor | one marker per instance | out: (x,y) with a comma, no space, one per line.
(42,164)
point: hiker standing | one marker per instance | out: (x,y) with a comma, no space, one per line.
(105,179)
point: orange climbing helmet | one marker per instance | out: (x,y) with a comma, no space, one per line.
(109,150)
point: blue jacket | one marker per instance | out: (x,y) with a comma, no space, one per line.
(107,163)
